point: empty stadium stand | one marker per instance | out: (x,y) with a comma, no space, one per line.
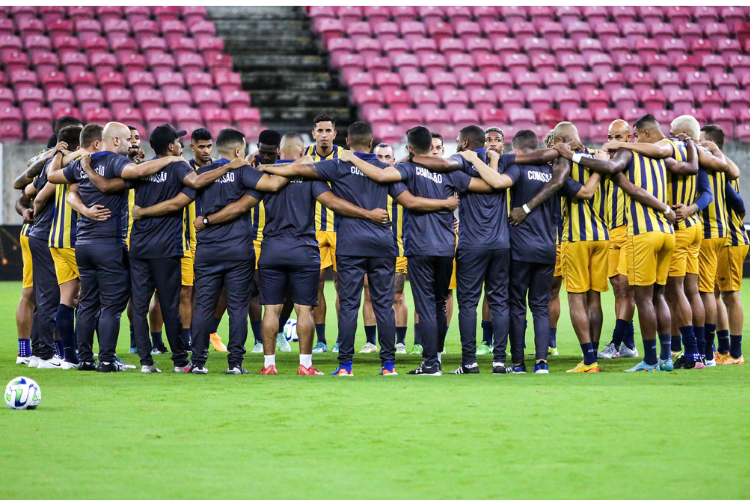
(530,67)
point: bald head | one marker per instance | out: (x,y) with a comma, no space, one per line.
(565,132)
(116,138)
(618,131)
(291,147)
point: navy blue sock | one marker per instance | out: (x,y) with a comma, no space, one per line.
(59,349)
(735,349)
(487,332)
(320,331)
(24,348)
(255,326)
(723,336)
(401,335)
(677,342)
(710,334)
(649,351)
(132,337)
(595,345)
(65,319)
(156,339)
(700,339)
(621,331)
(370,332)
(214,324)
(666,346)
(629,339)
(185,336)
(690,342)
(417,337)
(553,337)
(589,354)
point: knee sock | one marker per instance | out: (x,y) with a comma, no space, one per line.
(735,349)
(621,331)
(320,331)
(553,337)
(723,336)
(185,336)
(487,332)
(132,337)
(417,338)
(589,354)
(65,320)
(710,334)
(401,335)
(156,339)
(629,339)
(255,326)
(677,342)
(370,332)
(666,346)
(59,349)
(690,342)
(24,348)
(595,345)
(700,339)
(649,351)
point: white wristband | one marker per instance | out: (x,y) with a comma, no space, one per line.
(526,209)
(666,212)
(577,158)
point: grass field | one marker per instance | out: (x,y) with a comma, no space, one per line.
(607,435)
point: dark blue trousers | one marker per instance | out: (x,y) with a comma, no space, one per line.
(380,272)
(47,295)
(474,267)
(430,278)
(166,276)
(535,280)
(105,289)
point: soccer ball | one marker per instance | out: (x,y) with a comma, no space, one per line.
(290,331)
(22,393)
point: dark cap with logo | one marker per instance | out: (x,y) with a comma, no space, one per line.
(163,135)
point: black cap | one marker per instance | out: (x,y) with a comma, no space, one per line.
(163,135)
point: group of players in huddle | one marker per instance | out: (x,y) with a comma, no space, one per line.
(177,243)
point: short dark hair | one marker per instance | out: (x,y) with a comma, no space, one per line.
(436,135)
(715,134)
(131,128)
(420,139)
(200,134)
(229,139)
(270,138)
(525,140)
(90,134)
(475,135)
(324,118)
(359,134)
(646,121)
(66,121)
(70,135)
(384,145)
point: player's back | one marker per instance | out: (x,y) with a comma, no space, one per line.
(681,189)
(651,175)
(534,240)
(584,219)
(714,216)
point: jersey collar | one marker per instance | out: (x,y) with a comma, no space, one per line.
(366,156)
(284,161)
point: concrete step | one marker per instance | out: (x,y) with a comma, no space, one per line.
(288,79)
(250,13)
(253,62)
(300,98)
(304,114)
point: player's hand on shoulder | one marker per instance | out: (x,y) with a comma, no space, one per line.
(251,158)
(346,155)
(379,216)
(710,145)
(517,216)
(237,163)
(492,154)
(61,146)
(451,203)
(564,150)
(141,155)
(600,154)
(28,216)
(469,155)
(611,147)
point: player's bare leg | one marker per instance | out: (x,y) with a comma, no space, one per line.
(368,316)
(270,329)
(554,314)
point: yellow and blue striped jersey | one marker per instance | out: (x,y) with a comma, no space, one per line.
(714,216)
(681,189)
(737,236)
(192,211)
(396,214)
(259,221)
(324,219)
(616,202)
(651,175)
(584,220)
(64,220)
(25,229)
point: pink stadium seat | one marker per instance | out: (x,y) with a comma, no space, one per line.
(583,81)
(388,81)
(723,117)
(102,60)
(657,64)
(599,63)
(482,99)
(742,132)
(516,63)
(401,60)
(521,117)
(551,30)
(412,29)
(20,77)
(689,32)
(97,115)
(685,64)
(646,47)
(153,114)
(465,116)
(682,101)
(673,47)
(587,46)
(444,80)
(571,62)
(549,117)
(535,46)
(37,43)
(725,82)
(709,100)
(596,99)
(110,79)
(140,78)
(606,115)
(494,116)
(37,131)
(128,115)
(361,79)
(235,97)
(422,46)
(624,99)
(30,95)
(415,79)
(539,99)
(10,113)
(499,81)
(53,78)
(376,14)
(578,116)
(146,95)
(460,62)
(616,46)
(394,46)
(606,31)
(514,14)
(641,81)
(388,132)
(365,46)
(668,81)
(30,26)
(528,81)
(245,114)
(740,65)
(349,13)
(471,80)
(543,63)
(94,44)
(678,14)
(190,61)
(86,94)
(701,47)
(81,78)
(635,30)
(440,30)
(567,14)
(451,46)
(379,115)
(567,99)
(578,30)
(454,99)
(716,33)
(226,80)
(595,14)
(629,62)
(697,81)
(217,60)
(152,44)
(468,28)
(409,117)
(425,99)
(118,95)
(511,99)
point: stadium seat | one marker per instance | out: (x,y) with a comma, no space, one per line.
(511,99)
(669,81)
(568,100)
(710,100)
(494,117)
(682,101)
(539,99)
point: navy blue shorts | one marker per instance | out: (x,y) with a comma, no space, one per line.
(300,281)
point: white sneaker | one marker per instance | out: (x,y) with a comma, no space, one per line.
(400,348)
(369,348)
(711,362)
(150,369)
(124,366)
(69,366)
(23,361)
(609,352)
(54,362)
(33,362)
(257,348)
(626,352)
(281,343)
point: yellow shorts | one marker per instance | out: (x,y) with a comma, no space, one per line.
(28,270)
(687,247)
(584,265)
(401,263)
(188,273)
(729,269)
(257,244)
(327,245)
(649,255)
(452,284)
(616,260)
(708,261)
(66,267)
(558,261)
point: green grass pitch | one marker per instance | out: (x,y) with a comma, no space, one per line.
(608,435)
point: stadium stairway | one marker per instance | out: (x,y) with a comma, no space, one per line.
(289,76)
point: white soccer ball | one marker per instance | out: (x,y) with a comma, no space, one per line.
(22,393)
(290,331)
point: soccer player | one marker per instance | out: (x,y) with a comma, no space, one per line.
(494,140)
(324,133)
(650,237)
(363,248)
(622,344)
(25,310)
(101,254)
(135,153)
(384,153)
